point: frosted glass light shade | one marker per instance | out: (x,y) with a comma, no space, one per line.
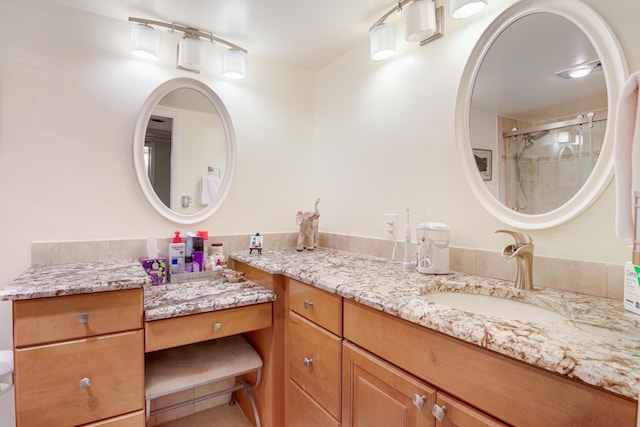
(145,41)
(382,42)
(420,20)
(459,9)
(234,64)
(190,54)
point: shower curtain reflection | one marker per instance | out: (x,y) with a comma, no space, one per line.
(543,169)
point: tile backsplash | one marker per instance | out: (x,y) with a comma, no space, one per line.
(598,279)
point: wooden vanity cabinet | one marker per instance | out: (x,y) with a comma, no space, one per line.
(269,343)
(509,390)
(313,357)
(79,360)
(459,414)
(376,393)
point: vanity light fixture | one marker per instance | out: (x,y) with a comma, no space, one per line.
(191,53)
(581,70)
(459,9)
(145,41)
(423,23)
(419,20)
(382,41)
(234,64)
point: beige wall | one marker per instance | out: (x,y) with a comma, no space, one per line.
(70,94)
(386,136)
(368,138)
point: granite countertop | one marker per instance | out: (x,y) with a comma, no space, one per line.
(160,301)
(596,345)
(72,279)
(172,300)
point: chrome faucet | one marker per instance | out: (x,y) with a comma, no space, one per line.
(522,251)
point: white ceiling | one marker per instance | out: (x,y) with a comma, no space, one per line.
(517,78)
(305,33)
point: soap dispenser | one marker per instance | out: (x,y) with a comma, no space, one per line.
(176,255)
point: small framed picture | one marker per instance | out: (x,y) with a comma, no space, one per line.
(256,243)
(483,161)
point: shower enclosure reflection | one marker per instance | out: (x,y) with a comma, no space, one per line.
(518,70)
(544,166)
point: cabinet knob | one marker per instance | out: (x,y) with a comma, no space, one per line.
(308,305)
(217,327)
(439,412)
(83,318)
(85,383)
(307,362)
(419,400)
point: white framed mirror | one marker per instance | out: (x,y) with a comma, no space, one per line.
(184,150)
(512,106)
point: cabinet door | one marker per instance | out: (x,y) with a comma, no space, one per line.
(302,410)
(459,414)
(77,382)
(377,394)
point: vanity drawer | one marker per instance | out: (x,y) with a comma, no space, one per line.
(135,419)
(46,320)
(49,380)
(319,306)
(304,411)
(177,331)
(314,357)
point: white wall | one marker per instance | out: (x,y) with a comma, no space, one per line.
(386,137)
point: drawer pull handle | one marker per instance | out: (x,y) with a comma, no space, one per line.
(307,362)
(217,326)
(85,383)
(439,412)
(418,401)
(308,305)
(83,318)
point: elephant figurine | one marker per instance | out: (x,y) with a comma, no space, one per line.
(308,222)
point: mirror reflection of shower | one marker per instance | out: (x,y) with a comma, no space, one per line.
(522,202)
(546,164)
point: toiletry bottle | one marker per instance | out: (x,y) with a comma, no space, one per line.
(198,254)
(176,255)
(216,252)
(189,253)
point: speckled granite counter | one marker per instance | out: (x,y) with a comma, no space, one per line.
(73,279)
(597,344)
(160,302)
(172,300)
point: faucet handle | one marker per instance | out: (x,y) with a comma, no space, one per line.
(520,238)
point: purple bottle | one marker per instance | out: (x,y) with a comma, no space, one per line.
(198,254)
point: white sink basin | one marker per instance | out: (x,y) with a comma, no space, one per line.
(493,306)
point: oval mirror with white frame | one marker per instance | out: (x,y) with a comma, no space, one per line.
(536,145)
(184,150)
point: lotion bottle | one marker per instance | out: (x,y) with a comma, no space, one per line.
(176,255)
